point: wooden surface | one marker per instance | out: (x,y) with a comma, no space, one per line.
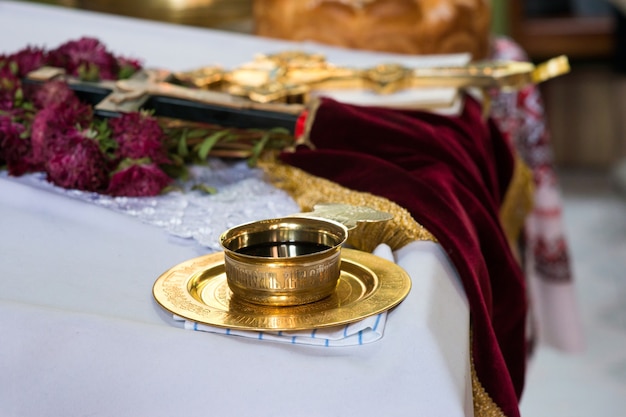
(575,36)
(586,112)
(586,109)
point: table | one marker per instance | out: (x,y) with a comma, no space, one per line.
(82,335)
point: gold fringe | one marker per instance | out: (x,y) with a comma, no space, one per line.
(308,190)
(517,204)
(484,406)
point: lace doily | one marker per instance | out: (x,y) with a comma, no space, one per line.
(242,196)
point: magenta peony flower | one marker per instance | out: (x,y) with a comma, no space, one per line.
(55,92)
(15,149)
(128,67)
(50,125)
(77,162)
(86,58)
(48,129)
(139,136)
(27,60)
(138,180)
(9,86)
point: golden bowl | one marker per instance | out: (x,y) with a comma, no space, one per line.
(284,261)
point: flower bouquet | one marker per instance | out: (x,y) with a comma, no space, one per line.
(47,128)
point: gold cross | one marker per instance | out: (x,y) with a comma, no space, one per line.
(135,90)
(283,82)
(290,76)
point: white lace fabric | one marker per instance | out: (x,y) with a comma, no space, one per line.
(242,196)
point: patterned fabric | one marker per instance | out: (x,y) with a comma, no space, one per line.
(362,332)
(521,118)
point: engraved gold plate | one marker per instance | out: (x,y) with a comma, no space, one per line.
(197,290)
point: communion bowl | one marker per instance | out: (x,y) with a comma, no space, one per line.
(284,261)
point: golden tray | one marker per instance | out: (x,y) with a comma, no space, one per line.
(197,290)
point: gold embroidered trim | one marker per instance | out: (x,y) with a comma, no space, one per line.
(484,406)
(308,190)
(517,204)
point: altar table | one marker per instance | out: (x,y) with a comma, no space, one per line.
(82,335)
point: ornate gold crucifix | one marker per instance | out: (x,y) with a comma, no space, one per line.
(289,77)
(282,82)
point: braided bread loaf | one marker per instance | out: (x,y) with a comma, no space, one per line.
(401,26)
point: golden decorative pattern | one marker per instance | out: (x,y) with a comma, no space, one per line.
(517,204)
(284,261)
(347,214)
(290,77)
(484,406)
(197,290)
(308,190)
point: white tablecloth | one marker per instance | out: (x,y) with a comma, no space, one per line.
(81,334)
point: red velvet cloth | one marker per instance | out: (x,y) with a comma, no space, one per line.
(451,173)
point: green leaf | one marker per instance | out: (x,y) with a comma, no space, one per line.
(209,143)
(180,172)
(29,106)
(102,134)
(197,133)
(125,72)
(147,112)
(258,148)
(14,68)
(89,72)
(177,159)
(170,188)
(280,130)
(182,144)
(19,95)
(205,188)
